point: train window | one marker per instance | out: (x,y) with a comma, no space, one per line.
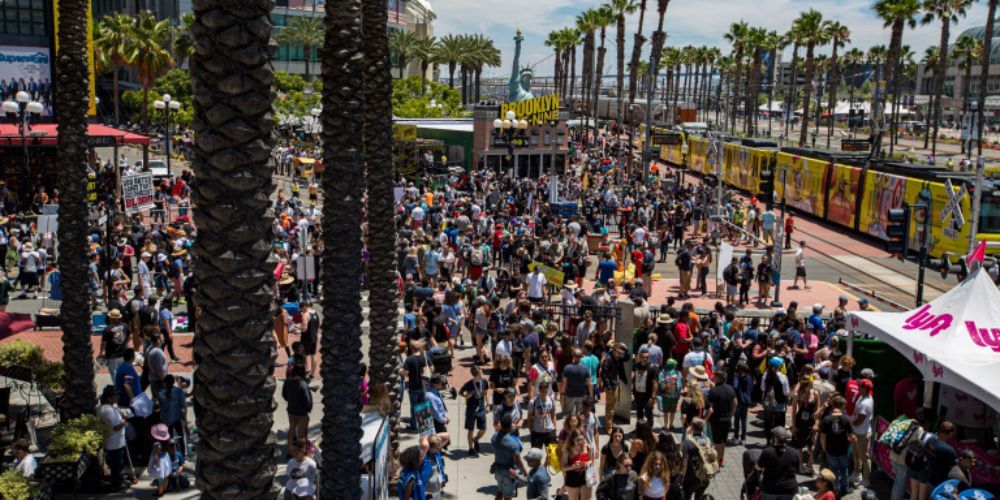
(989,221)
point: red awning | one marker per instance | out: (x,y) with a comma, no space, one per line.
(47,134)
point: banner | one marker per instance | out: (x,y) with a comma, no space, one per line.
(137,192)
(725,256)
(28,69)
(554,276)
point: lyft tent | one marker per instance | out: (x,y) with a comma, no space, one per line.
(954,340)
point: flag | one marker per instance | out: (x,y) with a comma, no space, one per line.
(979,254)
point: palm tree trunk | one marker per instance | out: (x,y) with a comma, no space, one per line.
(833,82)
(465,84)
(597,85)
(71,159)
(378,143)
(572,76)
(118,121)
(927,120)
(620,60)
(451,74)
(633,80)
(479,71)
(789,112)
(806,95)
(343,125)
(736,84)
(939,77)
(676,91)
(984,74)
(966,99)
(234,343)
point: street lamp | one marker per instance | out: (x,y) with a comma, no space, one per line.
(167,106)
(507,128)
(316,112)
(21,111)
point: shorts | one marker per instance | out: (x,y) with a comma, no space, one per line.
(309,347)
(536,300)
(506,485)
(668,405)
(474,421)
(720,429)
(440,427)
(541,439)
(731,289)
(800,272)
(29,279)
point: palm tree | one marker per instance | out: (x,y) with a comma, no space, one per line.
(308,32)
(946,11)
(465,64)
(668,59)
(755,44)
(896,14)
(586,22)
(930,60)
(574,38)
(876,57)
(71,159)
(637,42)
(286,37)
(554,41)
(234,381)
(906,63)
(483,54)
(775,43)
(814,31)
(659,38)
(114,42)
(382,296)
(984,72)
(150,57)
(343,186)
(737,36)
(621,9)
(967,49)
(449,50)
(840,36)
(183,43)
(405,45)
(604,16)
(426,55)
(794,37)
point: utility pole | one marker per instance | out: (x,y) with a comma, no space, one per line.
(977,202)
(651,83)
(779,244)
(924,236)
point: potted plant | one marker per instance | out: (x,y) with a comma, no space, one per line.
(72,452)
(16,486)
(19,358)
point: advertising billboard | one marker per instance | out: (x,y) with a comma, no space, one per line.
(28,69)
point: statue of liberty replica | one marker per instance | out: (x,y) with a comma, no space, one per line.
(519,87)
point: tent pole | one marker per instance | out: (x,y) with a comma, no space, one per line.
(850,343)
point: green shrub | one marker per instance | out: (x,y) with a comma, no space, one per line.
(84,434)
(17,486)
(49,375)
(21,353)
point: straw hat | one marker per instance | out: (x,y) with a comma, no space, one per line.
(180,252)
(115,314)
(698,373)
(286,279)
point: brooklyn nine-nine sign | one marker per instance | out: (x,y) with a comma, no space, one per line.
(535,111)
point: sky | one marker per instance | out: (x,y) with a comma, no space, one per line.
(687,22)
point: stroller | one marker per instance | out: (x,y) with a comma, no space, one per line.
(751,475)
(441,364)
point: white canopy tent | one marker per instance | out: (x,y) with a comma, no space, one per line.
(954,340)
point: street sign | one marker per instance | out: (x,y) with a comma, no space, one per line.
(137,192)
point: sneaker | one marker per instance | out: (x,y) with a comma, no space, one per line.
(175,359)
(473,453)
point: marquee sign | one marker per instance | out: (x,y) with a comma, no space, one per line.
(535,111)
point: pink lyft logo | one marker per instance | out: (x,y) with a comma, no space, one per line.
(924,320)
(984,337)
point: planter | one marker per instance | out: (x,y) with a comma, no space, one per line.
(67,476)
(21,373)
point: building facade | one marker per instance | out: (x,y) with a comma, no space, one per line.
(955,84)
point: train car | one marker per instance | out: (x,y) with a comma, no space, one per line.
(745,162)
(697,157)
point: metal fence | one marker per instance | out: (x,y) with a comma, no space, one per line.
(568,317)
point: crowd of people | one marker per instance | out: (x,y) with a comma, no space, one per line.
(477,264)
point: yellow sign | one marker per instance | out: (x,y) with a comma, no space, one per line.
(92,109)
(535,111)
(552,275)
(405,133)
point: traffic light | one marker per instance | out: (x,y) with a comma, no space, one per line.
(766,194)
(897,230)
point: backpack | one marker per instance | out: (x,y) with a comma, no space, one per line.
(477,257)
(708,463)
(773,396)
(670,384)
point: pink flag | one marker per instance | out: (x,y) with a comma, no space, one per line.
(979,254)
(278,269)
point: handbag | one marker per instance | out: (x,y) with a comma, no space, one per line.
(591,475)
(141,405)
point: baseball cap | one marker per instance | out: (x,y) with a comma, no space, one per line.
(780,432)
(863,300)
(868,373)
(867,384)
(535,454)
(777,362)
(843,298)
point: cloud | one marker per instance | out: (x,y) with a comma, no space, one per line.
(688,22)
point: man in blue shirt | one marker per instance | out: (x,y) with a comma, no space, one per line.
(438,409)
(507,459)
(127,380)
(538,477)
(409,318)
(606,270)
(431,263)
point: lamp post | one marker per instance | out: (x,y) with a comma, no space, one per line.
(21,110)
(506,128)
(553,180)
(316,112)
(167,106)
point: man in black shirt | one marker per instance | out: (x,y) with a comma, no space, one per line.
(721,403)
(779,464)
(612,376)
(644,385)
(835,435)
(474,392)
(414,365)
(310,336)
(114,342)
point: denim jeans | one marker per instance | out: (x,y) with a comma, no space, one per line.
(839,465)
(899,482)
(415,397)
(740,422)
(116,462)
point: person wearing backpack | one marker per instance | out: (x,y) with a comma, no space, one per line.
(702,461)
(775,391)
(779,464)
(731,275)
